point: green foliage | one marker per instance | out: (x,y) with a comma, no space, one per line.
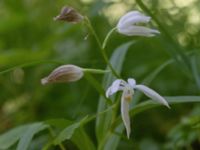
(32,45)
(23,133)
(68,132)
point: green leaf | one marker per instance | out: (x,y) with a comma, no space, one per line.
(59,123)
(151,104)
(79,137)
(68,132)
(82,140)
(195,70)
(150,77)
(176,51)
(103,121)
(23,133)
(97,86)
(171,100)
(114,139)
(28,134)
(11,137)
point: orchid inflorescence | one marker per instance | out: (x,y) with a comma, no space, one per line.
(129,25)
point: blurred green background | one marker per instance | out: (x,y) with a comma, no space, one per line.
(28,34)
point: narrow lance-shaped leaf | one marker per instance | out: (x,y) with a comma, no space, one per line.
(79,137)
(150,104)
(103,121)
(68,132)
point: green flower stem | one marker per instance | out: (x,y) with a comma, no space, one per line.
(103,52)
(92,117)
(195,70)
(107,37)
(97,86)
(97,71)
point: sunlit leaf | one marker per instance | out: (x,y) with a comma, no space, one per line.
(22,133)
(11,137)
(28,134)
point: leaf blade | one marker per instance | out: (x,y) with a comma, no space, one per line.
(103,121)
(27,136)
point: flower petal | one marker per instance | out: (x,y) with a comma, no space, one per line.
(125,114)
(138,31)
(108,92)
(152,94)
(133,20)
(115,85)
(131,82)
(125,17)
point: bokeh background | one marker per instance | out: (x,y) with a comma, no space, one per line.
(28,35)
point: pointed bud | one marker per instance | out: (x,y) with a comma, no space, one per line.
(69,14)
(64,73)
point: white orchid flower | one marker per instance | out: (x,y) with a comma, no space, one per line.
(127,89)
(128,25)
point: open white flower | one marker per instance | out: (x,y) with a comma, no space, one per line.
(128,25)
(127,89)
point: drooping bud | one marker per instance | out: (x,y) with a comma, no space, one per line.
(69,14)
(64,73)
(129,25)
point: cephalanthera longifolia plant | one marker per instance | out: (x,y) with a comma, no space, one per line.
(110,124)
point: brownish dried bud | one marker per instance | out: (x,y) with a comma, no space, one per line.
(64,73)
(69,14)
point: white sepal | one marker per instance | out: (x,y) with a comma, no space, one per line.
(115,87)
(138,31)
(108,92)
(131,82)
(132,16)
(152,94)
(129,25)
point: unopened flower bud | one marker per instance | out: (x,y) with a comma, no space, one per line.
(69,14)
(129,25)
(64,73)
